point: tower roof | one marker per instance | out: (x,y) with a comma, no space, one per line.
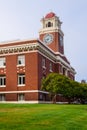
(50,15)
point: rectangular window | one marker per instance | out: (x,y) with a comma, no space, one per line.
(21,97)
(2,81)
(21,79)
(43,62)
(21,60)
(50,67)
(2,97)
(61,69)
(2,62)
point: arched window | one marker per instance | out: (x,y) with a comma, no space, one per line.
(49,24)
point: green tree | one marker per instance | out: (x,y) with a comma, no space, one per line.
(56,84)
(79,92)
(83,93)
(59,84)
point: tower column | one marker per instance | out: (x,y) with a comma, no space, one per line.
(51,33)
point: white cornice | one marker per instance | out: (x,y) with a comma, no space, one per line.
(33,47)
(59,59)
(45,50)
(51,30)
(52,55)
(14,49)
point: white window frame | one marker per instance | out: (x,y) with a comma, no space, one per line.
(2,81)
(2,97)
(43,62)
(21,60)
(21,79)
(2,62)
(61,69)
(21,97)
(51,67)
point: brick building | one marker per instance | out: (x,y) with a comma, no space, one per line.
(23,64)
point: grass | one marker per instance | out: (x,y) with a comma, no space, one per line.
(43,117)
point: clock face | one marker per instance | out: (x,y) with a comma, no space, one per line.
(48,38)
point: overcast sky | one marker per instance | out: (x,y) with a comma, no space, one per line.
(20,19)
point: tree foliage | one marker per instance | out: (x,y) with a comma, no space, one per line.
(56,84)
(59,84)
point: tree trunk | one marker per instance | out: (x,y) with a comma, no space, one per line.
(54,99)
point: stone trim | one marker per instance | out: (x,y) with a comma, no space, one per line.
(25,91)
(18,48)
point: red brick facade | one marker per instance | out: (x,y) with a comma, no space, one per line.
(23,64)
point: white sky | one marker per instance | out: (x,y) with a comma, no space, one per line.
(20,19)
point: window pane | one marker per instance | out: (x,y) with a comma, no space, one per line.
(2,80)
(21,60)
(21,79)
(2,62)
(50,66)
(20,97)
(43,62)
(2,97)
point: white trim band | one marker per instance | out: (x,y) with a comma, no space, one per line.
(27,91)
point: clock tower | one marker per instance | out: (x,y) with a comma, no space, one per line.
(51,33)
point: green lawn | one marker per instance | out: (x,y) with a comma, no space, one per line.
(43,117)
